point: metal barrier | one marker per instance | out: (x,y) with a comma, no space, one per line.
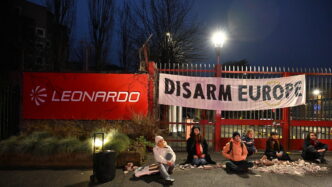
(9,110)
(286,121)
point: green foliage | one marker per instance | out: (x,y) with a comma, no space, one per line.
(120,142)
(143,141)
(83,147)
(39,135)
(43,143)
(26,144)
(46,146)
(68,145)
(69,128)
(115,140)
(9,145)
(140,126)
(44,137)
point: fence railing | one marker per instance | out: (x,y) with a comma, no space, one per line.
(318,104)
(9,110)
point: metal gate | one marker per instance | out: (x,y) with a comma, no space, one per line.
(9,110)
(292,124)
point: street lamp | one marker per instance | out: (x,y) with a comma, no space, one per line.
(218,40)
(316,92)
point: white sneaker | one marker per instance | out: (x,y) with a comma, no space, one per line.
(170,179)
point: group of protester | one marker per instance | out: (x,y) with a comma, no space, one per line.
(237,150)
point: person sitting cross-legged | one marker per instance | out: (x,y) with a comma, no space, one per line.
(236,152)
(314,150)
(248,140)
(197,149)
(274,148)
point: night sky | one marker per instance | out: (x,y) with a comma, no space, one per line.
(293,33)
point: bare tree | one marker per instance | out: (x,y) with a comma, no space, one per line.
(176,37)
(101,22)
(82,54)
(64,15)
(128,52)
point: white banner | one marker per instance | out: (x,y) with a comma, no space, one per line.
(213,93)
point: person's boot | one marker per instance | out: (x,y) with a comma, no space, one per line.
(169,179)
(318,161)
(250,164)
(243,170)
(170,171)
(228,170)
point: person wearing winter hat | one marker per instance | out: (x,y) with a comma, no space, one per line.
(314,150)
(197,149)
(165,156)
(236,152)
(274,148)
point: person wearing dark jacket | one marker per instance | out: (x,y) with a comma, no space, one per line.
(197,149)
(313,150)
(274,148)
(248,140)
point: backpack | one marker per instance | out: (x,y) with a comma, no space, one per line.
(231,147)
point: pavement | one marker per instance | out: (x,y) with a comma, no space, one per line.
(192,177)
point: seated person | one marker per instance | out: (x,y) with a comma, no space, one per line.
(197,149)
(274,148)
(165,156)
(313,150)
(248,140)
(236,152)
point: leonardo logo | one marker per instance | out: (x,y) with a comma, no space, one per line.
(38,95)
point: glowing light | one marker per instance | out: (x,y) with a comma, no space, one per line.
(218,38)
(316,92)
(98,143)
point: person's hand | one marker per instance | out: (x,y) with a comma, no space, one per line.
(195,156)
(279,154)
(203,156)
(321,150)
(169,163)
(248,142)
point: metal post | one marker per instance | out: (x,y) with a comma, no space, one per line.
(285,119)
(151,88)
(217,130)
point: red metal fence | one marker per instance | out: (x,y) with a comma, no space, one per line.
(292,124)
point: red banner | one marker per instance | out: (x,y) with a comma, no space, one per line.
(86,96)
